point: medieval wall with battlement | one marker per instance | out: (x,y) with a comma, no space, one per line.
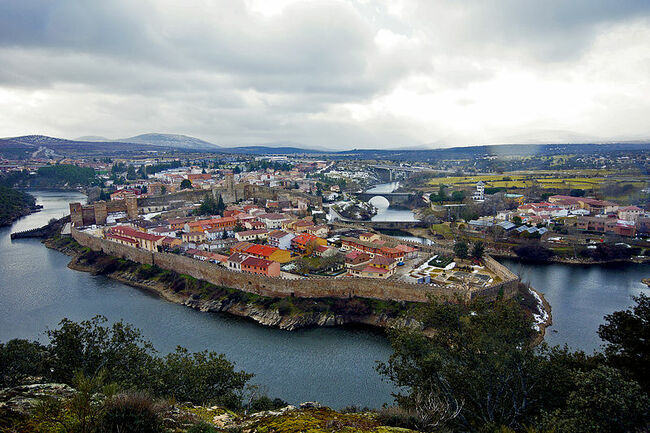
(96,213)
(317,287)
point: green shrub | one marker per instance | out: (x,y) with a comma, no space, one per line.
(285,307)
(266,403)
(20,359)
(131,413)
(202,427)
(396,416)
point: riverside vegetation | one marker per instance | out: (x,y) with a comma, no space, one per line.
(14,204)
(478,373)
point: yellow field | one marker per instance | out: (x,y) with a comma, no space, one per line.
(584,179)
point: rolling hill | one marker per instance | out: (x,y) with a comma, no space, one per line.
(176,141)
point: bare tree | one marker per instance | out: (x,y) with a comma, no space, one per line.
(433,410)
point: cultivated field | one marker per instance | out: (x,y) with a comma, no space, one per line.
(569,179)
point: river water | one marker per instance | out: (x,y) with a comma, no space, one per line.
(580,296)
(331,365)
(387,213)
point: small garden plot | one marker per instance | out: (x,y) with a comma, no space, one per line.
(440,261)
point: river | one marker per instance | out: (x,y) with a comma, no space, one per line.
(332,365)
(580,296)
(385,212)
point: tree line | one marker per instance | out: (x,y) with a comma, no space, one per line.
(479,372)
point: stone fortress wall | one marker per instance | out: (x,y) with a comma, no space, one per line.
(312,287)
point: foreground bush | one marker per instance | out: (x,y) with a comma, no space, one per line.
(131,413)
(124,358)
(480,373)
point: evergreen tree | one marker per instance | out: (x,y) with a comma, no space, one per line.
(220,205)
(130,173)
(478,250)
(461,249)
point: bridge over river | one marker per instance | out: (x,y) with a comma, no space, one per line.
(392,197)
(378,225)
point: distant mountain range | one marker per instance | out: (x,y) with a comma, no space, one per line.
(35,145)
(172,140)
(176,141)
(40,145)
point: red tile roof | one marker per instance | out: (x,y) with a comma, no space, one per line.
(375,270)
(382,260)
(255,262)
(133,233)
(260,250)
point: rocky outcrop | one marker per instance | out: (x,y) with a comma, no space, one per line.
(272,317)
(17,414)
(22,399)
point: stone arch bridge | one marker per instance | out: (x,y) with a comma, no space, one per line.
(392,197)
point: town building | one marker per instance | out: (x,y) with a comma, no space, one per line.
(305,243)
(251,235)
(479,194)
(261,267)
(137,238)
(280,239)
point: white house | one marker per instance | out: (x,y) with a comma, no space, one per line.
(273,220)
(235,260)
(630,213)
(479,194)
(281,239)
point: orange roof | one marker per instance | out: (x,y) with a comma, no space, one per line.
(304,238)
(261,250)
(375,270)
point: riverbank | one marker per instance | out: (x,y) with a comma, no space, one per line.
(15,204)
(544,319)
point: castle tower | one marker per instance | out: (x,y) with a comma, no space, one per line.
(132,207)
(100,212)
(230,183)
(76,215)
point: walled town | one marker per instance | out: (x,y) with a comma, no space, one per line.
(280,234)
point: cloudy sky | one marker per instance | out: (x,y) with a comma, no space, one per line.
(328,74)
